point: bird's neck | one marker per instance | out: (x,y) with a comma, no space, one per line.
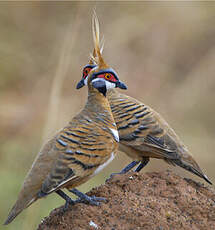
(98,105)
(112,92)
(112,95)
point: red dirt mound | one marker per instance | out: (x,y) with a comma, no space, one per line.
(152,201)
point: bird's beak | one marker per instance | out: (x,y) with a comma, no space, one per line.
(80,84)
(100,85)
(121,85)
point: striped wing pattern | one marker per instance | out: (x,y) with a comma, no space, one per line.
(141,128)
(144,133)
(83,147)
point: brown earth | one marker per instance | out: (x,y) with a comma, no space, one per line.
(152,201)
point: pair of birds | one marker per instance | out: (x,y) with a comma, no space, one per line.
(90,140)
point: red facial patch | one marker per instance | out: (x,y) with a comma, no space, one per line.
(86,71)
(107,76)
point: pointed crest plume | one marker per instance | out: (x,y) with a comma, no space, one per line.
(97,57)
(93,56)
(93,60)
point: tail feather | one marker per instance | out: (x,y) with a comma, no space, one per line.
(19,206)
(191,169)
(27,196)
(34,180)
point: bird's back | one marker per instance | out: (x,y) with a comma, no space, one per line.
(145,132)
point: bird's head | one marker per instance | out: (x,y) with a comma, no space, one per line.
(97,72)
(86,70)
(104,79)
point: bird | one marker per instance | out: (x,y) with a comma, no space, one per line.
(81,149)
(143,132)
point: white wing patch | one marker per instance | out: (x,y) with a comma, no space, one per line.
(115,134)
(105,164)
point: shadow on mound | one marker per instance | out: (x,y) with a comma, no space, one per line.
(153,201)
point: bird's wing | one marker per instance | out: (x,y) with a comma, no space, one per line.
(143,129)
(83,148)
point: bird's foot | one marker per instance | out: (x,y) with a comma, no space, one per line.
(125,170)
(68,200)
(83,198)
(92,200)
(112,175)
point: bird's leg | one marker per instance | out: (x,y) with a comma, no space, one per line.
(68,200)
(93,200)
(125,170)
(143,163)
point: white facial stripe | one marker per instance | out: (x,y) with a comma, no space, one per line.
(86,80)
(109,85)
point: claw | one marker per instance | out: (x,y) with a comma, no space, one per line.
(83,198)
(125,170)
(111,176)
(68,203)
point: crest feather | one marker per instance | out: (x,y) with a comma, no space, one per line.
(97,50)
(93,57)
(102,44)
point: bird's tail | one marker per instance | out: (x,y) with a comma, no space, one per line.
(188,163)
(25,199)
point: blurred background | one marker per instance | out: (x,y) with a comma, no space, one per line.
(165,52)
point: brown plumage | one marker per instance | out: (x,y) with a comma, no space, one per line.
(144,134)
(78,151)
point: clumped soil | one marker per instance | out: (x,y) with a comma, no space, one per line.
(151,201)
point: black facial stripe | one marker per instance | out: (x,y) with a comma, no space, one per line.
(89,66)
